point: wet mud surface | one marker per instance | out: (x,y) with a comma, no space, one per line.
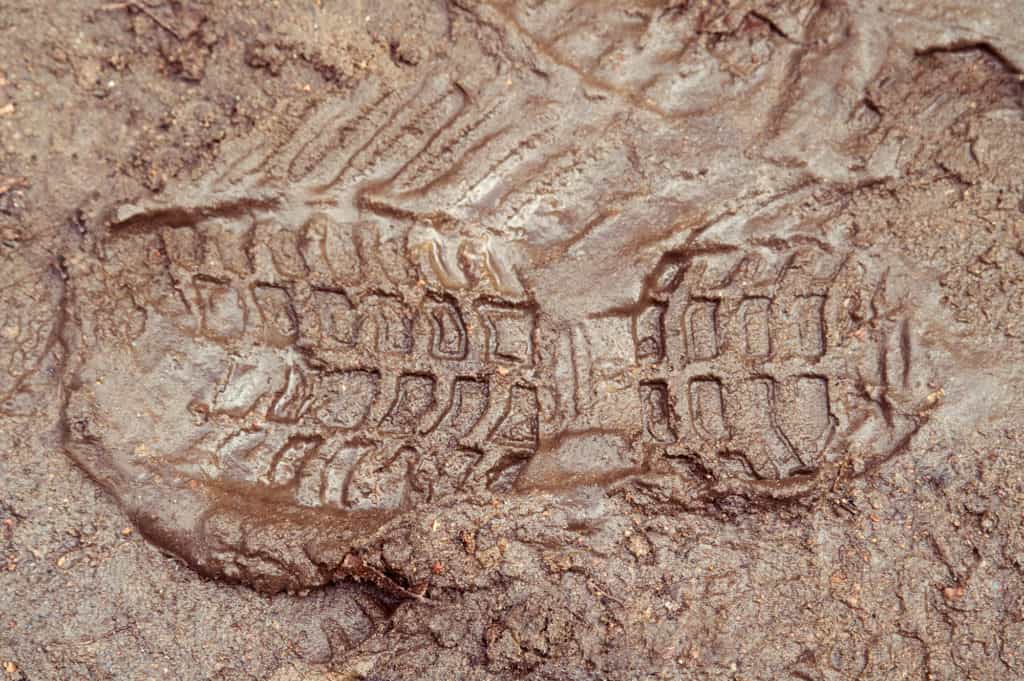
(511,340)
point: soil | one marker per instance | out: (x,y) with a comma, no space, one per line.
(499,340)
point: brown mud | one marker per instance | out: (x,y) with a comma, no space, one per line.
(511,340)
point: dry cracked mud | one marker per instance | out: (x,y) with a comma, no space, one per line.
(510,339)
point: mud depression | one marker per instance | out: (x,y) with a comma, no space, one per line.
(361,320)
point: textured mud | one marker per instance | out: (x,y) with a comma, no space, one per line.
(505,340)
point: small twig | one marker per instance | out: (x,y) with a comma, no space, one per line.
(9,183)
(114,6)
(847,505)
(602,593)
(356,567)
(839,474)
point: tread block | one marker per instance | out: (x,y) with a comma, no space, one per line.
(244,386)
(442,473)
(802,412)
(756,325)
(309,490)
(414,399)
(807,316)
(224,312)
(289,459)
(503,474)
(896,352)
(751,412)
(449,339)
(380,479)
(285,250)
(387,262)
(389,322)
(707,408)
(232,242)
(649,332)
(244,456)
(657,412)
(343,400)
(280,323)
(291,402)
(611,342)
(510,332)
(183,247)
(330,251)
(469,401)
(339,324)
(519,425)
(437,258)
(701,321)
(343,459)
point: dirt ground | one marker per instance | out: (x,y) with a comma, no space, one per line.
(736,289)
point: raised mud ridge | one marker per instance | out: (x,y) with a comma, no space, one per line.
(271,364)
(29,335)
